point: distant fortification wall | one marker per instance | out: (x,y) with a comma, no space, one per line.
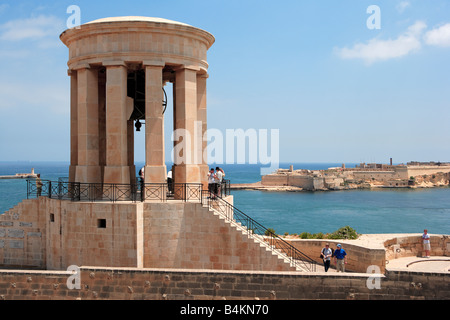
(414,171)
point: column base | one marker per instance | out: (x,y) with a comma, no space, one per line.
(88,174)
(204,169)
(187,182)
(117,175)
(187,173)
(72,173)
(155,174)
(133,174)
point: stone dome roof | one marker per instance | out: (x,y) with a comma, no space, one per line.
(137,19)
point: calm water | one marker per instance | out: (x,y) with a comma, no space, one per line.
(367,211)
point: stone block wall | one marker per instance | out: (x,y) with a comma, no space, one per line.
(23,236)
(274,180)
(53,234)
(97,234)
(411,246)
(187,235)
(178,284)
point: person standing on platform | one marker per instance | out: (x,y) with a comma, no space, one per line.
(340,258)
(39,185)
(211,183)
(170,181)
(426,243)
(141,174)
(219,178)
(326,255)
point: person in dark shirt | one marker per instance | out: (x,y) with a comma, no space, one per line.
(340,258)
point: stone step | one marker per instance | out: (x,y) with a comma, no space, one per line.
(259,240)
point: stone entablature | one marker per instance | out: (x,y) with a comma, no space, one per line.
(150,41)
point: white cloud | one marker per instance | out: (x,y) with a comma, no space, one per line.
(402,6)
(379,50)
(439,36)
(35,28)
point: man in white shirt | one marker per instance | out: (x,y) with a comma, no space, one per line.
(219,178)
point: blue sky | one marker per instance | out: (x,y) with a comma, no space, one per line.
(336,90)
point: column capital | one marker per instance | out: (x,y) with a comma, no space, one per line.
(187,67)
(153,63)
(80,66)
(203,75)
(114,63)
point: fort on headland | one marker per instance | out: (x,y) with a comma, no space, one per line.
(362,176)
(20,175)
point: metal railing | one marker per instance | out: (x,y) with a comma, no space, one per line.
(92,192)
(257,231)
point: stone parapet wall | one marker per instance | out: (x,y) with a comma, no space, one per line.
(359,258)
(179,284)
(411,246)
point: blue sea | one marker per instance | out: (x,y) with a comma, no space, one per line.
(367,211)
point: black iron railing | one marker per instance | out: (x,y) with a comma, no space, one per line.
(255,230)
(75,191)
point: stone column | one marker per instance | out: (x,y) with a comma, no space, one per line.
(155,167)
(73,124)
(116,170)
(202,117)
(186,168)
(88,169)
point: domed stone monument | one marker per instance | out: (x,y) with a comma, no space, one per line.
(118,68)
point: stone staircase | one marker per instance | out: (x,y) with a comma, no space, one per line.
(268,244)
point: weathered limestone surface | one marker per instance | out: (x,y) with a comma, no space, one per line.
(54,234)
(99,283)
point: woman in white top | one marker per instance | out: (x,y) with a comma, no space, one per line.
(326,255)
(426,243)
